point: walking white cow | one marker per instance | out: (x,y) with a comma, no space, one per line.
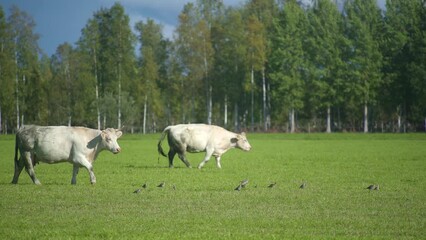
(78,145)
(193,138)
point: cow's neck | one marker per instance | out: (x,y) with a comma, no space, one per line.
(96,146)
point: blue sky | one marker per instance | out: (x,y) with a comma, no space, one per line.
(60,21)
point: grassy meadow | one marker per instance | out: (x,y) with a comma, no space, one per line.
(335,204)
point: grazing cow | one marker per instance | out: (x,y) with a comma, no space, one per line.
(193,138)
(78,145)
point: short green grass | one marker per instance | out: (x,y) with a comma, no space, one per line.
(335,204)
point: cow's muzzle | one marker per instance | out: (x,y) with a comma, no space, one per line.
(117,150)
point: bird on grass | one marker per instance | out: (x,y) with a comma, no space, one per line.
(244,182)
(272,185)
(173,187)
(144,185)
(238,188)
(377,187)
(303,185)
(373,187)
(137,190)
(162,185)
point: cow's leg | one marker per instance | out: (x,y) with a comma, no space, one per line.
(209,153)
(19,165)
(218,162)
(76,167)
(184,160)
(171,154)
(30,168)
(83,162)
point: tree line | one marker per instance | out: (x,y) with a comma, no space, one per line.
(266,65)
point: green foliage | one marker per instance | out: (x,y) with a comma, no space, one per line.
(323,47)
(253,63)
(288,60)
(404,49)
(337,168)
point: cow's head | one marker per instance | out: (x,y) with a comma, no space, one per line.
(109,139)
(241,142)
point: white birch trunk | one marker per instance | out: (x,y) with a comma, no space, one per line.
(399,123)
(328,120)
(182,103)
(22,114)
(225,109)
(252,99)
(365,118)
(0,120)
(268,98)
(68,79)
(265,121)
(97,106)
(17,91)
(145,106)
(98,112)
(210,106)
(236,117)
(292,123)
(119,97)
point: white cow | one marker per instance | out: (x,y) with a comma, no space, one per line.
(193,138)
(78,145)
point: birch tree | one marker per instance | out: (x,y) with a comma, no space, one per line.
(230,65)
(324,43)
(89,46)
(404,51)
(195,51)
(363,28)
(151,52)
(288,61)
(7,75)
(25,48)
(256,56)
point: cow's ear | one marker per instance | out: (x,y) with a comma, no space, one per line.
(243,134)
(234,140)
(103,134)
(118,133)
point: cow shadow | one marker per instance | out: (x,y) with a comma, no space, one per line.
(153,167)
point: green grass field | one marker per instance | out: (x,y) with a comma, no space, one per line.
(335,204)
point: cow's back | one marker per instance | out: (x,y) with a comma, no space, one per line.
(196,137)
(55,143)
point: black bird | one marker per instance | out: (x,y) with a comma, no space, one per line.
(371,187)
(272,185)
(144,185)
(377,187)
(244,182)
(238,188)
(161,185)
(302,186)
(174,187)
(137,190)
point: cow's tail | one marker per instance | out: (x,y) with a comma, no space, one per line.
(163,135)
